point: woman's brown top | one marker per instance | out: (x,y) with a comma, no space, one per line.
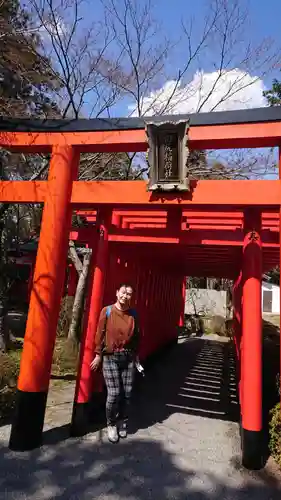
(116,332)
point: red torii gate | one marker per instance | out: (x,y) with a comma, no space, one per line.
(220,228)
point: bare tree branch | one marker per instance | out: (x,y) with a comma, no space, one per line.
(78,49)
(78,300)
(74,257)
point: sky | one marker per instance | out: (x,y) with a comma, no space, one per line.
(265,17)
(264,22)
(239,86)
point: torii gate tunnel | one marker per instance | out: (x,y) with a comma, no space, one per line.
(219,228)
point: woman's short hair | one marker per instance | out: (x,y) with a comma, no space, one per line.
(124,285)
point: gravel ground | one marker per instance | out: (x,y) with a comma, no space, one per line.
(183,443)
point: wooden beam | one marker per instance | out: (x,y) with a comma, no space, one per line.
(203,237)
(132,238)
(128,194)
(205,193)
(220,136)
(98,141)
(228,136)
(144,220)
(23,191)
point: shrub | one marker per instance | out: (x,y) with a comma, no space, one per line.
(218,325)
(65,359)
(65,316)
(9,369)
(275,433)
(229,328)
(7,403)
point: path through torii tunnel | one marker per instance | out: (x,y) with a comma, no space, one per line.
(154,240)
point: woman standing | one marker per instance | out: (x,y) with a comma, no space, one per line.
(117,344)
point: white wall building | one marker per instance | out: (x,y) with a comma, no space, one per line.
(208,302)
(270,298)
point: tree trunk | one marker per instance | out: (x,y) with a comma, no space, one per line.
(74,257)
(78,300)
(229,301)
(3,290)
(3,336)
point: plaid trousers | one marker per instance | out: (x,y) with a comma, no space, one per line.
(118,372)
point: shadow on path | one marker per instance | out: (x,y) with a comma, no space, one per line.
(133,470)
(196,377)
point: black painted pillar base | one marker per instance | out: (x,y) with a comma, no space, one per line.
(80,419)
(90,416)
(253,456)
(27,426)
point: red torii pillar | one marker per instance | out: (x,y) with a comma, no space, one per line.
(183,297)
(251,353)
(48,282)
(237,328)
(237,313)
(279,163)
(84,382)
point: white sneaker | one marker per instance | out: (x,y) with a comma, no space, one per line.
(123,429)
(112,433)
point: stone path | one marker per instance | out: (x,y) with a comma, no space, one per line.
(184,442)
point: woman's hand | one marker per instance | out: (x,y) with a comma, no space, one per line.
(96,363)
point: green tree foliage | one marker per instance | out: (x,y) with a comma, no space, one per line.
(275,433)
(273,276)
(27,79)
(273,95)
(27,88)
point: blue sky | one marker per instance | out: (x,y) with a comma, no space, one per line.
(263,22)
(265,17)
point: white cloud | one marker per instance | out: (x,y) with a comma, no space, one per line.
(233,89)
(53,29)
